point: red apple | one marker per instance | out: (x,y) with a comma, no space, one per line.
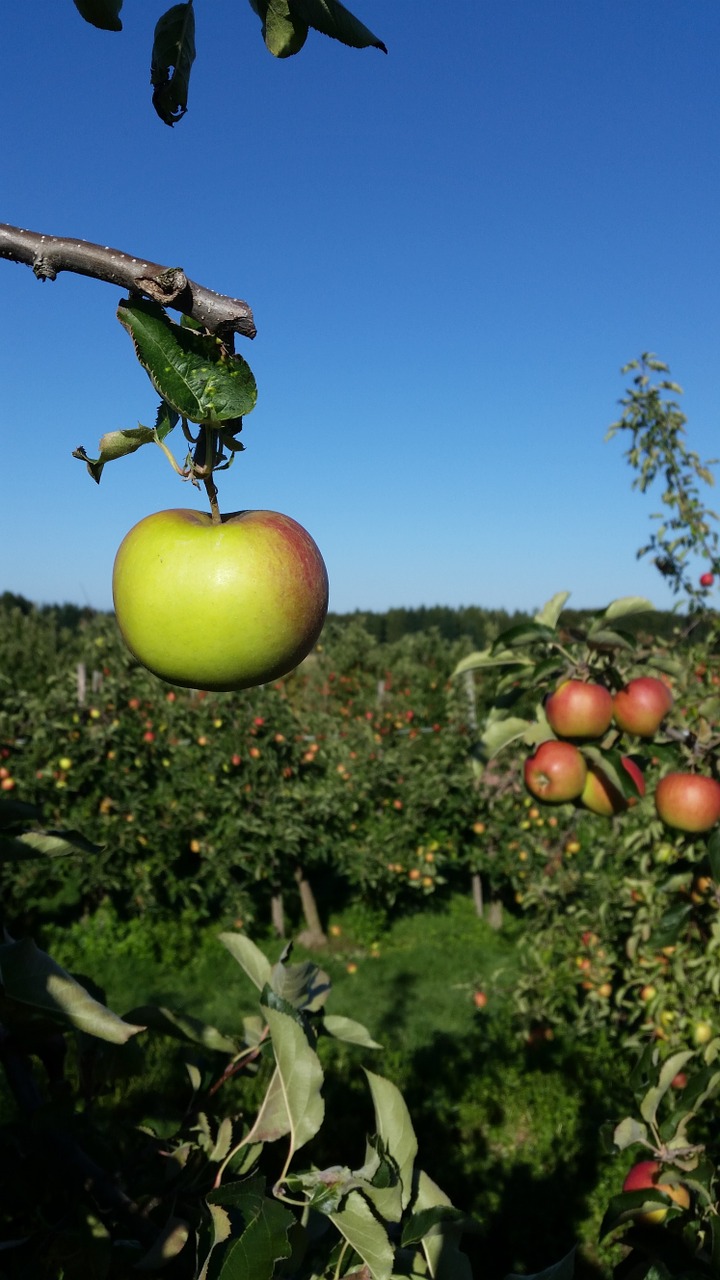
(600,796)
(579,710)
(223,605)
(641,706)
(688,801)
(645,1174)
(556,772)
(706,579)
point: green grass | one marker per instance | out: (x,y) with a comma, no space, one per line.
(509,1131)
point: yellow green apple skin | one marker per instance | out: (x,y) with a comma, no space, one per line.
(219,606)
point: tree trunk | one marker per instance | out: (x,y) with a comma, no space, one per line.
(277,915)
(477,893)
(313,935)
(495,914)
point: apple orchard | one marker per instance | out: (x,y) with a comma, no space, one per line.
(214,760)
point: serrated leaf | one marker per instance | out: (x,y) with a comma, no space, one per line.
(333,19)
(182,1027)
(113,445)
(523,633)
(440,1243)
(32,977)
(562,1270)
(628,1132)
(394,1126)
(284,32)
(191,371)
(304,986)
(549,614)
(49,844)
(293,1104)
(626,606)
(348,1030)
(104,14)
(256,965)
(498,734)
(173,54)
(254,1232)
(170,1242)
(365,1234)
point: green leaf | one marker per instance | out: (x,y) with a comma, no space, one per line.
(333,19)
(498,734)
(173,54)
(251,1232)
(523,633)
(440,1243)
(170,1242)
(625,607)
(366,1235)
(348,1030)
(439,1215)
(101,13)
(713,848)
(304,986)
(654,1096)
(115,444)
(293,1104)
(486,658)
(192,371)
(182,1027)
(32,977)
(256,965)
(549,614)
(284,32)
(394,1127)
(562,1270)
(604,637)
(49,844)
(629,1132)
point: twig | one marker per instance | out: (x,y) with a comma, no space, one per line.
(49,255)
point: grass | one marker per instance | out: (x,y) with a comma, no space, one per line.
(510,1131)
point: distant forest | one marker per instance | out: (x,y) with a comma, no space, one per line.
(471,622)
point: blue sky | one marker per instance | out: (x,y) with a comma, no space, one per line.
(450,251)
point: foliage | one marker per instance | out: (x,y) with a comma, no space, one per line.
(658,452)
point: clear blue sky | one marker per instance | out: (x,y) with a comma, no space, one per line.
(450,251)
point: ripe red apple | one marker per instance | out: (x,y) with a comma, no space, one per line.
(479,999)
(688,801)
(556,772)
(219,606)
(645,1174)
(641,706)
(579,710)
(706,579)
(601,797)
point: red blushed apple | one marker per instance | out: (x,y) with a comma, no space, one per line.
(579,710)
(644,1175)
(220,606)
(641,706)
(706,579)
(601,797)
(688,802)
(556,772)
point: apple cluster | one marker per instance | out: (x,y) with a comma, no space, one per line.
(580,711)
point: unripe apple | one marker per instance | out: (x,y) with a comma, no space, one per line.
(601,797)
(688,801)
(645,1174)
(556,772)
(641,706)
(702,1032)
(579,710)
(221,605)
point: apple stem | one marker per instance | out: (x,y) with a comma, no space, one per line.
(212,493)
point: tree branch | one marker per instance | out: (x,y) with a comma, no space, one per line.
(48,255)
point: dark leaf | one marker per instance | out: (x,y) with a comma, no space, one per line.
(172,57)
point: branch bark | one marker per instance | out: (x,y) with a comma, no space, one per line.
(49,255)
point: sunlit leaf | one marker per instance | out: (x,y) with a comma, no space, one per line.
(549,614)
(256,965)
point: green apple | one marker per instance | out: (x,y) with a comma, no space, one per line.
(223,605)
(688,801)
(641,706)
(579,710)
(556,772)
